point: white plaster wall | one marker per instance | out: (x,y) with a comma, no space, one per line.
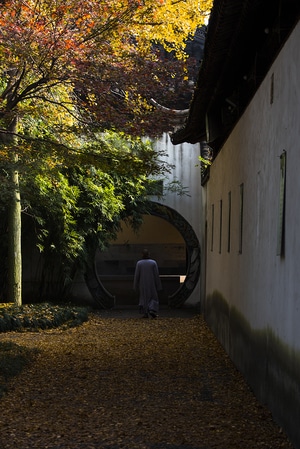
(184,157)
(264,287)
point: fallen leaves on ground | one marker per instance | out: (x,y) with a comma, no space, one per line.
(132,384)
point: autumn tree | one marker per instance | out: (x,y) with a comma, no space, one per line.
(80,67)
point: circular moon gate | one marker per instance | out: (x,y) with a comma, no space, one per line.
(106,300)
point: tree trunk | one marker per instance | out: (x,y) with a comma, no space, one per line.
(14,224)
(14,242)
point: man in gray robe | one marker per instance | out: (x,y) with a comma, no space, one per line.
(147,282)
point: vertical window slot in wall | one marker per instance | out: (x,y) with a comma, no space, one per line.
(221,220)
(280,228)
(229,223)
(241,218)
(272,89)
(212,227)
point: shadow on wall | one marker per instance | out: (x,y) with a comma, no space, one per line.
(271,367)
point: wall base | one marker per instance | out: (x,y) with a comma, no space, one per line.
(271,368)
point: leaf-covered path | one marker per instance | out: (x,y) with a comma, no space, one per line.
(132,383)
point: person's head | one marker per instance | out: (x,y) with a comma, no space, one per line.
(145,254)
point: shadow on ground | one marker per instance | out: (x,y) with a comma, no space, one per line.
(164,312)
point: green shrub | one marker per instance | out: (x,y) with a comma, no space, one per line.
(40,316)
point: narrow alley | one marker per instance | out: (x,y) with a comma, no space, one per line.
(120,381)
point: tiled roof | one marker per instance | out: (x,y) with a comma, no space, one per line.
(243,39)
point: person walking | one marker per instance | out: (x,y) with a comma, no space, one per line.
(147,282)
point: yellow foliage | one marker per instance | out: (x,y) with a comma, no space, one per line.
(44,45)
(171,22)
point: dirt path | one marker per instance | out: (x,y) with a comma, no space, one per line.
(132,383)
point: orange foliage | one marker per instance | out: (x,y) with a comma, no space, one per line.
(45,43)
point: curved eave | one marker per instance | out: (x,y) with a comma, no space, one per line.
(239,33)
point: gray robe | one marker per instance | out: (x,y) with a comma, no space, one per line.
(147,282)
